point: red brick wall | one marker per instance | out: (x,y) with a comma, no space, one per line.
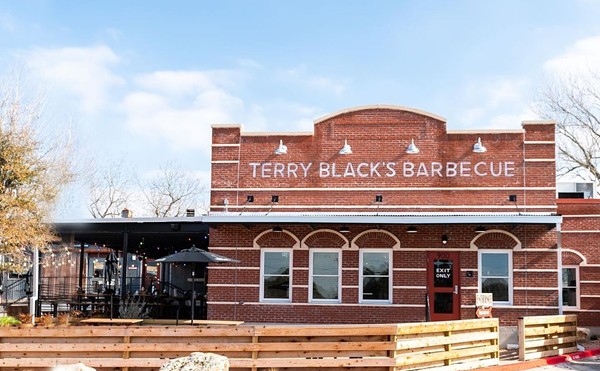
(581,247)
(378,138)
(234,290)
(245,164)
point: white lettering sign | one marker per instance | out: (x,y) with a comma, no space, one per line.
(382,169)
(443,272)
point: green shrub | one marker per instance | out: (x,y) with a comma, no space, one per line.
(7,321)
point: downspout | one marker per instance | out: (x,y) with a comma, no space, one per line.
(559,265)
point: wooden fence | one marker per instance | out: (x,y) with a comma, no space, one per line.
(546,336)
(464,344)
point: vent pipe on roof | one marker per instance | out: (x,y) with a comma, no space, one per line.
(190,213)
(126,213)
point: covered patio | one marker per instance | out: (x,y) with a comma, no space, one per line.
(137,242)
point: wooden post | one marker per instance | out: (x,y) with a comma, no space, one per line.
(126,340)
(447,348)
(392,353)
(254,352)
(521,334)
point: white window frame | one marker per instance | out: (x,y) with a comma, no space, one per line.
(577,286)
(262,275)
(510,273)
(311,276)
(390,277)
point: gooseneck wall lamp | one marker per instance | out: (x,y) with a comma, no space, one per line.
(281,149)
(478,147)
(412,148)
(346,150)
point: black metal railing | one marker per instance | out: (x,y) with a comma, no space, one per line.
(58,294)
(14,292)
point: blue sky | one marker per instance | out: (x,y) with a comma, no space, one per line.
(141,82)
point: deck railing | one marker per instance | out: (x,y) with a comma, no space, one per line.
(452,345)
(546,336)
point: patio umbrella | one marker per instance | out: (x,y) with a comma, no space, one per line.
(110,272)
(29,282)
(195,255)
(110,277)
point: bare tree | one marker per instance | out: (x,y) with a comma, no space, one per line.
(574,103)
(34,167)
(109,190)
(172,191)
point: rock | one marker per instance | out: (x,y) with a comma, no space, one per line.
(75,367)
(197,362)
(583,334)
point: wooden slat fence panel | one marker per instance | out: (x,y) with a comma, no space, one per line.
(453,344)
(546,336)
(460,344)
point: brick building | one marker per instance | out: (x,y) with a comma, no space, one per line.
(383,215)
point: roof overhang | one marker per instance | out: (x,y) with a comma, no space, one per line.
(382,218)
(156,236)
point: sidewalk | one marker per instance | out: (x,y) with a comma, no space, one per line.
(510,362)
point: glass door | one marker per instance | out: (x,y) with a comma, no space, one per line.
(443,285)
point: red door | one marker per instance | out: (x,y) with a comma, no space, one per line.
(443,285)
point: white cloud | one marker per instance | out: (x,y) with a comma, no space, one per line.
(179,107)
(583,56)
(498,103)
(84,73)
(511,120)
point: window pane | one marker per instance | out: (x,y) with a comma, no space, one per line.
(443,302)
(494,265)
(570,297)
(442,273)
(375,288)
(568,277)
(277,263)
(325,288)
(497,286)
(276,287)
(325,263)
(376,263)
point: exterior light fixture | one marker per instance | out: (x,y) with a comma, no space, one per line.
(249,199)
(346,150)
(444,238)
(411,229)
(412,148)
(344,229)
(282,149)
(379,198)
(274,199)
(480,229)
(277,228)
(478,147)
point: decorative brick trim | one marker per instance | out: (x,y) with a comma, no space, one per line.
(378,238)
(496,239)
(281,239)
(324,238)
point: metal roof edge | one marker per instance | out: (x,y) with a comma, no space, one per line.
(388,219)
(181,219)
